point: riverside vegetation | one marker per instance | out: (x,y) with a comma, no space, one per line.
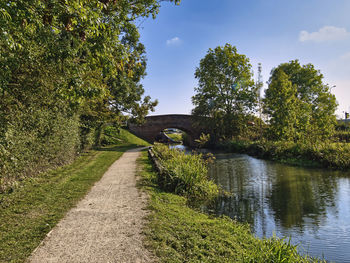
(178,232)
(334,155)
(295,122)
(185,174)
(32,208)
(333,152)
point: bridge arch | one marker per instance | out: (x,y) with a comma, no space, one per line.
(155,124)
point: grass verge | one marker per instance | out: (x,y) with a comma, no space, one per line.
(178,233)
(32,209)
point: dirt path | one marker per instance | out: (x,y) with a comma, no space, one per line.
(106,225)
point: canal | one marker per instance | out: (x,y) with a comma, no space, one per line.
(311,206)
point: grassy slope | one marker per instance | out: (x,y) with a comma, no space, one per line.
(126,136)
(29,212)
(175,136)
(178,233)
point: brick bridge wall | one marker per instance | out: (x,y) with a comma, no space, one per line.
(155,124)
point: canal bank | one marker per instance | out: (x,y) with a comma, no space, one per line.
(179,233)
(309,205)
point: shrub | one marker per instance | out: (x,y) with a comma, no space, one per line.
(185,175)
(110,135)
(35,140)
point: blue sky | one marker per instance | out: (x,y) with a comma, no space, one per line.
(267,31)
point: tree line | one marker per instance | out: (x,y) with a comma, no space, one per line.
(298,106)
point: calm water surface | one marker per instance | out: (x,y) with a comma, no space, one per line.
(312,206)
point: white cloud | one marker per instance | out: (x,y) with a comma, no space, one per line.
(327,33)
(174,41)
(346,56)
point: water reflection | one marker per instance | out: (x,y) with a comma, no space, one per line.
(180,147)
(310,205)
(187,149)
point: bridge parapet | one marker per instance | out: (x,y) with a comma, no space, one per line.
(155,124)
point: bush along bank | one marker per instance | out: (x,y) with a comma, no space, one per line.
(334,155)
(177,232)
(184,175)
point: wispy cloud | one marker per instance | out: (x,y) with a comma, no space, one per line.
(327,33)
(346,56)
(174,41)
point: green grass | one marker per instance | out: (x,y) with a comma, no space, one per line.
(178,233)
(175,136)
(111,135)
(36,205)
(126,136)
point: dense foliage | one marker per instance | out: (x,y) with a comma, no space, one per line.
(226,92)
(300,106)
(342,132)
(185,174)
(66,69)
(281,105)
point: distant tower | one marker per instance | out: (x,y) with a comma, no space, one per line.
(259,85)
(259,80)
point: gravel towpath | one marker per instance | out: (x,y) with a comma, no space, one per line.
(106,226)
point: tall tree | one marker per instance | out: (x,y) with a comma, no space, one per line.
(280,103)
(314,106)
(84,43)
(66,66)
(226,92)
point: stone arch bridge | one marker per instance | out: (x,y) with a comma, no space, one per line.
(153,125)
